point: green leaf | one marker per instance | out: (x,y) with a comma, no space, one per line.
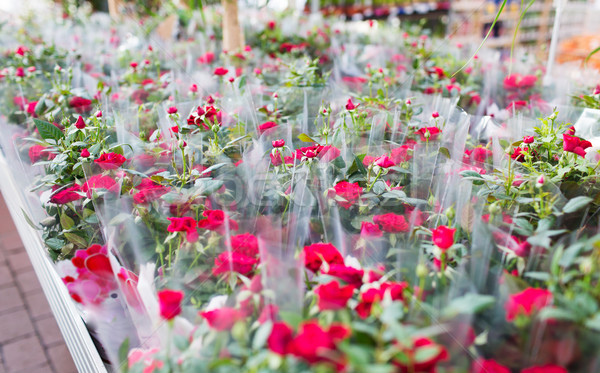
(47,130)
(123,351)
(76,240)
(28,220)
(66,222)
(261,335)
(587,58)
(540,276)
(576,204)
(594,322)
(291,318)
(305,138)
(552,313)
(55,243)
(469,304)
(471,173)
(444,151)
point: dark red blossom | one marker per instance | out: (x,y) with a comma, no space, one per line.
(316,254)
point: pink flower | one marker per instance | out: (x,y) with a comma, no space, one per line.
(527,302)
(443,237)
(278,143)
(222,319)
(185,224)
(110,161)
(370,230)
(350,193)
(172,110)
(384,162)
(528,139)
(169,302)
(145,357)
(80,123)
(575,145)
(207,58)
(428,133)
(316,254)
(435,114)
(350,106)
(85,153)
(133,65)
(20,72)
(220,71)
(517,81)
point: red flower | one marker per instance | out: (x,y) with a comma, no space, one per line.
(488,366)
(128,283)
(217,220)
(478,155)
(528,139)
(443,237)
(349,275)
(545,369)
(401,154)
(149,191)
(172,110)
(266,125)
(80,104)
(280,338)
(373,295)
(333,297)
(66,195)
(110,161)
(315,344)
(268,313)
(516,105)
(324,153)
(38,152)
(526,302)
(100,182)
(231,261)
(370,230)
(169,302)
(222,319)
(245,244)
(350,192)
(271,25)
(207,58)
(80,123)
(575,145)
(428,133)
(391,223)
(435,354)
(316,254)
(350,105)
(384,162)
(185,224)
(220,71)
(519,154)
(31,108)
(85,153)
(276,159)
(278,143)
(20,72)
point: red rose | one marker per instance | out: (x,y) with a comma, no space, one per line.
(31,108)
(80,124)
(100,182)
(266,125)
(217,220)
(278,143)
(528,139)
(222,319)
(443,237)
(350,192)
(220,71)
(315,344)
(435,354)
(172,110)
(316,254)
(391,223)
(349,275)
(280,338)
(527,302)
(516,105)
(169,302)
(575,145)
(370,230)
(517,81)
(327,153)
(149,191)
(276,159)
(478,155)
(66,195)
(395,291)
(207,58)
(37,153)
(80,104)
(518,154)
(333,297)
(185,224)
(85,153)
(428,133)
(110,161)
(545,369)
(128,283)
(488,366)
(228,262)
(245,243)
(350,106)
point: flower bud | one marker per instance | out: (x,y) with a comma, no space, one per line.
(421,270)
(540,181)
(586,266)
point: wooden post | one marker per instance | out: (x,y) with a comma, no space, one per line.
(233,37)
(113,8)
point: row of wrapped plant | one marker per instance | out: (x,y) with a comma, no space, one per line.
(328,200)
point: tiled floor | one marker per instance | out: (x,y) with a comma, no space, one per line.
(30,340)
